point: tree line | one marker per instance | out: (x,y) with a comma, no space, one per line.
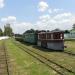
(7,30)
(57,29)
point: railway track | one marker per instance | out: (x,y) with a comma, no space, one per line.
(69,53)
(51,64)
(4,70)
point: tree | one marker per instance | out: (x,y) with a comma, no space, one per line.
(66,31)
(57,29)
(48,31)
(1,32)
(30,31)
(73,26)
(8,30)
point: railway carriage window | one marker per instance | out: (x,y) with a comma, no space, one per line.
(52,36)
(56,36)
(43,36)
(48,36)
(39,36)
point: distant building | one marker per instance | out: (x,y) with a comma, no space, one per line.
(70,35)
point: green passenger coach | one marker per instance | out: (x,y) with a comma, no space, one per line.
(30,38)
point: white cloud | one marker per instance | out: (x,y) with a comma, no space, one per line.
(62,21)
(9,19)
(59,16)
(18,27)
(57,10)
(42,6)
(45,22)
(44,18)
(1,3)
(21,27)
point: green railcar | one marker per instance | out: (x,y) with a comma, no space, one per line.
(30,38)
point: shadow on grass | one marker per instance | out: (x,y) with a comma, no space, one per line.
(46,49)
(39,48)
(21,41)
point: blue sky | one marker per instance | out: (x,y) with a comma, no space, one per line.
(30,13)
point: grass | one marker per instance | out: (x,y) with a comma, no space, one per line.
(24,64)
(61,58)
(70,46)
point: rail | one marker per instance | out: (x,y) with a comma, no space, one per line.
(4,60)
(51,64)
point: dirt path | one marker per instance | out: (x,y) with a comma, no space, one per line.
(3,60)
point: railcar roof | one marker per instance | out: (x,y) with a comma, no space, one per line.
(51,32)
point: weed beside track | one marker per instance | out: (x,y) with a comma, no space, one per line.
(58,68)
